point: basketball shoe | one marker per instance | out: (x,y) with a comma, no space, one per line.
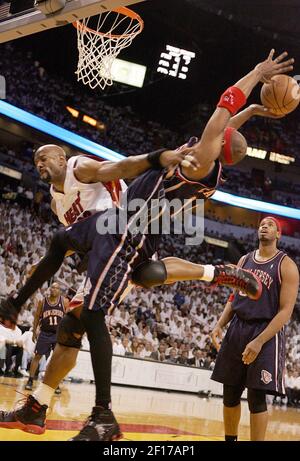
(30,417)
(8,313)
(29,384)
(101,426)
(238,278)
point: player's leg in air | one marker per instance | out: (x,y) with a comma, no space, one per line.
(112,258)
(55,374)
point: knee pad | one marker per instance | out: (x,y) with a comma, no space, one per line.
(70,331)
(149,274)
(257,401)
(232,395)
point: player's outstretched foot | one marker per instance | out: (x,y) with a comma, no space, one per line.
(8,313)
(239,278)
(30,417)
(101,426)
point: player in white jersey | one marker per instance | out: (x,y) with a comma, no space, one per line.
(80,187)
(78,199)
(207,151)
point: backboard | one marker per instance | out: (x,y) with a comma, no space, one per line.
(33,20)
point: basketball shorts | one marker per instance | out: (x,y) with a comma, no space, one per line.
(45,343)
(265,373)
(128,239)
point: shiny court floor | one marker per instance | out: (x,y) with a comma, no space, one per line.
(144,415)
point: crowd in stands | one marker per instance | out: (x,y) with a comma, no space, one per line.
(47,96)
(170,324)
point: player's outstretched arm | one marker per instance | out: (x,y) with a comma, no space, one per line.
(232,100)
(251,111)
(91,171)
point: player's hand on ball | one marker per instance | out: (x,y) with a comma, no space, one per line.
(258,109)
(273,66)
(170,159)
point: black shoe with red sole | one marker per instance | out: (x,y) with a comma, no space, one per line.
(238,278)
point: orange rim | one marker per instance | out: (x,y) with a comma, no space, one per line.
(122,10)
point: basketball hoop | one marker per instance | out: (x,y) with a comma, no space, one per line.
(100,39)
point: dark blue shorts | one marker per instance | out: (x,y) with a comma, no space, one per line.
(45,343)
(113,255)
(265,373)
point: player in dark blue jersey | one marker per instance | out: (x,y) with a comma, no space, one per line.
(48,316)
(252,353)
(113,259)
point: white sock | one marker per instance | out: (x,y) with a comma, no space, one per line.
(209,273)
(43,394)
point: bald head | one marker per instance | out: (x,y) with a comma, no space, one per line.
(51,163)
(238,149)
(51,149)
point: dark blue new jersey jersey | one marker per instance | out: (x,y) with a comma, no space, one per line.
(268,304)
(51,315)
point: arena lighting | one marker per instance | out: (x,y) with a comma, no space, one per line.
(280,158)
(175,62)
(86,145)
(216,242)
(274,156)
(256,205)
(72,111)
(10,172)
(57,132)
(257,153)
(89,120)
(128,73)
(86,118)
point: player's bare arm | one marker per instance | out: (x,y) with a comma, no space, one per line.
(208,149)
(288,296)
(36,320)
(251,111)
(226,317)
(66,304)
(91,171)
(217,332)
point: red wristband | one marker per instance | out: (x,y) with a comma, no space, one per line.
(233,99)
(231,298)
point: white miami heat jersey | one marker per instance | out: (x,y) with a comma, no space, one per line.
(81,200)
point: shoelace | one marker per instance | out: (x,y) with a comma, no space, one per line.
(231,279)
(24,402)
(88,427)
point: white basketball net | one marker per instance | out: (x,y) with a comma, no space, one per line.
(99,45)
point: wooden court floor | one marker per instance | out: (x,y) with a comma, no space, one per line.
(144,415)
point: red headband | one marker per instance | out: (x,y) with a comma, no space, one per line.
(227,146)
(278,225)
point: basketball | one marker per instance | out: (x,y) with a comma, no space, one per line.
(281,95)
